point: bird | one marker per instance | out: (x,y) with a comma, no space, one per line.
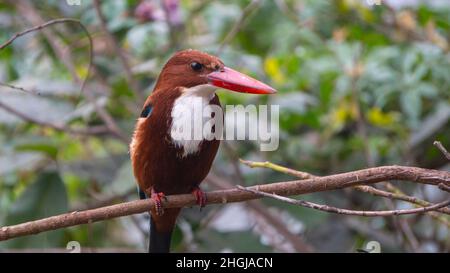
(162,163)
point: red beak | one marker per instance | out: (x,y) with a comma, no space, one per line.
(232,80)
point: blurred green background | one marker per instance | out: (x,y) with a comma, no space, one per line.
(359,85)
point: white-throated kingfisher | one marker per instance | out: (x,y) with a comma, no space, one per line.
(164,165)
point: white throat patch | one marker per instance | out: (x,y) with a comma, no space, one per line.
(185,115)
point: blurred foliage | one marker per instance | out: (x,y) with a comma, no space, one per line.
(359,86)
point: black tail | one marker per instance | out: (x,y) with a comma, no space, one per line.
(159,241)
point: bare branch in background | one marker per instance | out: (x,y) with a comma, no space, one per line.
(441,148)
(246,12)
(298,244)
(33,92)
(95,130)
(40,25)
(118,49)
(396,195)
(261,210)
(109,121)
(331,209)
(399,195)
(31,14)
(278,168)
(367,189)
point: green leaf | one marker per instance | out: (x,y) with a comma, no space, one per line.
(46,148)
(45,197)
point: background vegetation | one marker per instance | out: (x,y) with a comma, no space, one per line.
(359,85)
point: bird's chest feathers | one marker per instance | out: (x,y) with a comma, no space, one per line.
(191,110)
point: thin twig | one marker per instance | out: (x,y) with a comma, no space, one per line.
(28,11)
(278,168)
(441,148)
(367,189)
(297,242)
(110,123)
(259,209)
(118,50)
(246,12)
(331,209)
(94,130)
(39,27)
(444,187)
(397,194)
(400,195)
(33,92)
(52,40)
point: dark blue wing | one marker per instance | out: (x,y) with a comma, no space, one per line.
(146,111)
(142,194)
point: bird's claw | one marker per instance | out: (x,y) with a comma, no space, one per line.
(200,196)
(157,198)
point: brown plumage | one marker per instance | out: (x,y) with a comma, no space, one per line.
(160,164)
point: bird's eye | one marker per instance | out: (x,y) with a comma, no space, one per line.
(196,66)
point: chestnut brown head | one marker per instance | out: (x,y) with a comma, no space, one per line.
(191,68)
(188,68)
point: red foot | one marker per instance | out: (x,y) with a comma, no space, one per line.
(157,198)
(201,197)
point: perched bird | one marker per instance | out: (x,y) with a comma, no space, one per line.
(165,165)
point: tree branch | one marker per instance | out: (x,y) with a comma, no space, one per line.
(56,45)
(246,12)
(331,209)
(441,148)
(297,243)
(28,11)
(259,209)
(32,92)
(111,126)
(397,194)
(296,187)
(95,130)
